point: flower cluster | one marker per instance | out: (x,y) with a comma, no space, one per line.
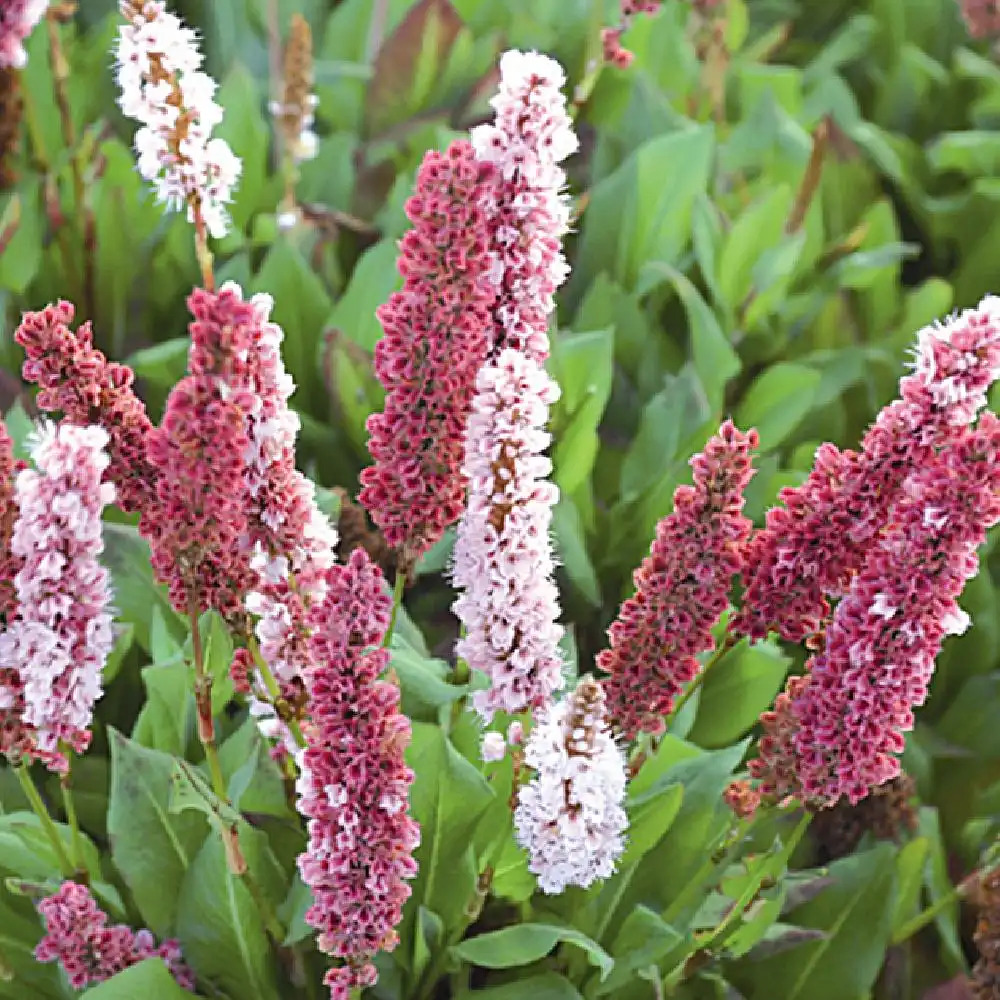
(78,937)
(569,817)
(840,728)
(163,88)
(17,20)
(289,544)
(611,38)
(76,379)
(354,783)
(296,111)
(682,587)
(436,340)
(985,977)
(811,548)
(14,738)
(62,632)
(503,559)
(531,135)
(982,17)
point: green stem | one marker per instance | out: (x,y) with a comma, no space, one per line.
(203,700)
(79,855)
(924,917)
(271,685)
(28,785)
(397,603)
(713,661)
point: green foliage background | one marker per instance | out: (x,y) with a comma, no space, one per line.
(708,281)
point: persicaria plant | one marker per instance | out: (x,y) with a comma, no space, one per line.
(407,739)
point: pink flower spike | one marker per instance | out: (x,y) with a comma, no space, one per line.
(838,730)
(569,817)
(503,562)
(812,546)
(17,20)
(163,88)
(76,380)
(354,783)
(437,332)
(89,951)
(531,135)
(682,587)
(62,632)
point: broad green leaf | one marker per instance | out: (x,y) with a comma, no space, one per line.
(167,719)
(220,928)
(643,940)
(582,364)
(163,364)
(855,912)
(650,816)
(938,885)
(136,593)
(741,686)
(777,401)
(448,798)
(523,944)
(424,685)
(292,912)
(547,986)
(255,782)
(642,211)
(571,544)
(152,848)
(149,979)
(373,280)
(910,866)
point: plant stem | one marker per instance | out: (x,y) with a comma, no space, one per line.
(924,917)
(28,785)
(203,700)
(713,661)
(271,684)
(79,856)
(397,603)
(201,250)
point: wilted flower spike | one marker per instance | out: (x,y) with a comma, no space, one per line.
(436,339)
(531,135)
(569,817)
(354,783)
(838,730)
(812,546)
(78,937)
(985,979)
(682,587)
(164,89)
(503,553)
(295,113)
(17,20)
(76,380)
(62,633)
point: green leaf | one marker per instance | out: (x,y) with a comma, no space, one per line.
(939,886)
(26,853)
(126,555)
(23,977)
(650,815)
(741,686)
(149,979)
(571,544)
(21,239)
(373,280)
(777,401)
(523,944)
(423,684)
(167,719)
(856,914)
(163,364)
(643,940)
(548,986)
(152,848)
(219,926)
(910,865)
(292,912)
(300,310)
(582,364)
(642,211)
(448,798)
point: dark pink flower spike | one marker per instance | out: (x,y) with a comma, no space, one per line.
(682,587)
